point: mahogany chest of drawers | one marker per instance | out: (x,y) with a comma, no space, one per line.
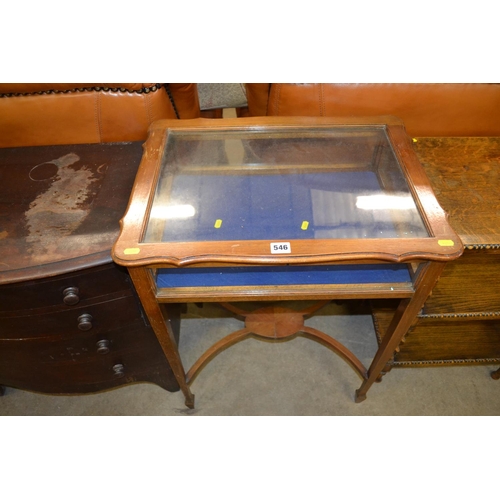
(70,320)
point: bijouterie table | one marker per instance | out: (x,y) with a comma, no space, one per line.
(269,209)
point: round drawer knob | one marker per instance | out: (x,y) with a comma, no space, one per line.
(85,322)
(70,296)
(103,347)
(119,370)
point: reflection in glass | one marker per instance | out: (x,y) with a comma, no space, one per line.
(282,185)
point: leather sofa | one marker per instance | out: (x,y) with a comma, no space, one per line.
(428,110)
(38,114)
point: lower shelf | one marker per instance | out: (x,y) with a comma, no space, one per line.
(283,275)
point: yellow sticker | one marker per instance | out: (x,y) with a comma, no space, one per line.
(304,226)
(446,243)
(218,223)
(131,251)
(414,140)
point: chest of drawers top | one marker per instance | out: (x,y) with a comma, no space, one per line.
(60,206)
(465,175)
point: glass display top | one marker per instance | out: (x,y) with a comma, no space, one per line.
(325,183)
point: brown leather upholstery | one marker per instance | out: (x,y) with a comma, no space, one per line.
(76,113)
(426,109)
(185,96)
(257,98)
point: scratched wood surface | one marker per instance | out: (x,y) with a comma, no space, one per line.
(465,175)
(61,204)
(60,208)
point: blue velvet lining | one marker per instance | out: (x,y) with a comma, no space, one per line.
(266,207)
(282,275)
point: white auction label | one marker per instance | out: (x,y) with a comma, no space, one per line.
(281,247)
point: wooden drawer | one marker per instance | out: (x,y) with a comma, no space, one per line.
(453,339)
(72,321)
(469,284)
(86,363)
(64,291)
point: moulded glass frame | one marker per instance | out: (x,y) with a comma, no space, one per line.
(141,241)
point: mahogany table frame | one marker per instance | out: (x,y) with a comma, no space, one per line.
(426,256)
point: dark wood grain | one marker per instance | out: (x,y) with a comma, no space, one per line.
(42,348)
(61,205)
(60,209)
(47,294)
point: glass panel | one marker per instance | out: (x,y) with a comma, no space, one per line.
(281,185)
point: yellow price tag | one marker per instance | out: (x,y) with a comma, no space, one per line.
(446,243)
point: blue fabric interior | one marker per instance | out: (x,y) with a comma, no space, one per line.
(258,207)
(282,275)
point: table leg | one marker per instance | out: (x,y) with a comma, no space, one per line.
(145,287)
(408,309)
(496,374)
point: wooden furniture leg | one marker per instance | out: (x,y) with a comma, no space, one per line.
(2,390)
(496,374)
(405,314)
(162,326)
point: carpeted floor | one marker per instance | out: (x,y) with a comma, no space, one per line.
(294,377)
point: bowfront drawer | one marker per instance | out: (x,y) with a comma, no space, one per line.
(74,321)
(86,363)
(64,292)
